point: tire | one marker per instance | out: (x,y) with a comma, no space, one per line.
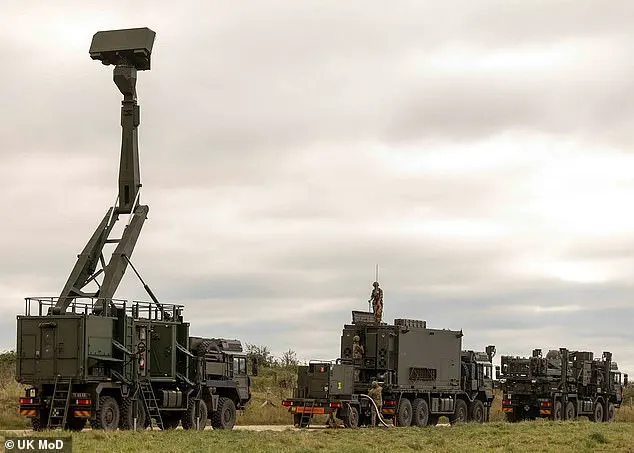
(461,413)
(225,416)
(76,424)
(420,412)
(108,415)
(433,420)
(597,414)
(351,420)
(611,412)
(557,411)
(39,422)
(477,412)
(127,415)
(511,417)
(189,417)
(571,413)
(297,421)
(206,346)
(404,413)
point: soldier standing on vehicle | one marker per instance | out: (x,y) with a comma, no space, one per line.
(357,356)
(357,349)
(376,393)
(377,302)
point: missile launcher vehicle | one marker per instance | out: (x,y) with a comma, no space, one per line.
(561,386)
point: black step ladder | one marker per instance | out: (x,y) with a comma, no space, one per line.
(150,403)
(306,418)
(58,409)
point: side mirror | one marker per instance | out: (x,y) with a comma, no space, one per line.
(254,366)
(497,372)
(625,380)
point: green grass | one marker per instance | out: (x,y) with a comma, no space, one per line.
(540,436)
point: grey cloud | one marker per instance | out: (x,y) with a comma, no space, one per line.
(543,21)
(269,201)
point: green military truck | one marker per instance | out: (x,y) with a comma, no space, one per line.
(423,372)
(119,364)
(125,366)
(561,386)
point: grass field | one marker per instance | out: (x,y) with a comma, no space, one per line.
(540,436)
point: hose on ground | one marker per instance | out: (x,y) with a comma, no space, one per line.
(376,408)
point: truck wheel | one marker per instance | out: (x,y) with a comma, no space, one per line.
(297,421)
(597,415)
(433,420)
(206,346)
(108,415)
(39,422)
(190,416)
(76,424)
(571,413)
(225,416)
(461,413)
(557,411)
(127,415)
(420,412)
(477,412)
(611,412)
(404,413)
(351,420)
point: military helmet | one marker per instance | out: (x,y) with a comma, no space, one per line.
(375,284)
(375,384)
(356,339)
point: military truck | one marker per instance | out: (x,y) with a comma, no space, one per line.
(127,365)
(116,363)
(423,372)
(561,386)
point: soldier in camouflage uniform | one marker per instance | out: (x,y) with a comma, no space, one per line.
(377,302)
(357,356)
(357,349)
(376,393)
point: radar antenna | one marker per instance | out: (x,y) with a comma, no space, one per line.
(129,51)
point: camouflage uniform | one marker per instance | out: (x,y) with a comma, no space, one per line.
(357,349)
(377,302)
(376,393)
(357,356)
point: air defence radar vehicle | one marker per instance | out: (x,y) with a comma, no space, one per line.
(120,364)
(561,386)
(423,372)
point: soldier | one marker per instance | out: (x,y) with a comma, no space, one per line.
(377,302)
(357,356)
(357,349)
(331,422)
(376,393)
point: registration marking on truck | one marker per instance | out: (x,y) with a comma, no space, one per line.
(308,410)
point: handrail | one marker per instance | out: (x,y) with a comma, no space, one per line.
(86,305)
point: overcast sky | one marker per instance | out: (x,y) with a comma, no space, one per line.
(480,152)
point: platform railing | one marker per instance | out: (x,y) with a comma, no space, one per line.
(42,306)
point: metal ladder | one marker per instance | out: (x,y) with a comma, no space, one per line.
(150,403)
(58,411)
(306,418)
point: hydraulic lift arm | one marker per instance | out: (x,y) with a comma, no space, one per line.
(129,51)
